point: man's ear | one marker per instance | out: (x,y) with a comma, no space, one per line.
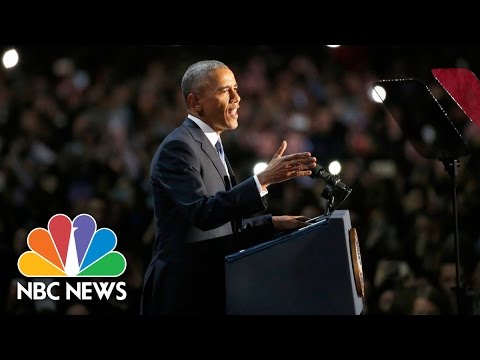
(193,102)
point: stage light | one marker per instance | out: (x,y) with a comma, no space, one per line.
(378,94)
(10,58)
(259,167)
(334,167)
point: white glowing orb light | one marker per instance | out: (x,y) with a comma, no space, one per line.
(259,167)
(379,94)
(10,58)
(333,46)
(334,168)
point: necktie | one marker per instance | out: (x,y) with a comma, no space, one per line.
(219,147)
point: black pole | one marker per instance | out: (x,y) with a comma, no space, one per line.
(455,165)
(463,308)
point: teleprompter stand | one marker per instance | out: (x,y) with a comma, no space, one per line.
(430,131)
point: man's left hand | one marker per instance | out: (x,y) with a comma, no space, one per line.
(288,222)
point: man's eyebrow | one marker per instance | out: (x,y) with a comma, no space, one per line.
(227,87)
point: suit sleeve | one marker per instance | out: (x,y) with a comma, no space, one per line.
(254,231)
(177,171)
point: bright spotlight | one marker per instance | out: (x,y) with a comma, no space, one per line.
(334,167)
(10,58)
(259,167)
(333,46)
(379,94)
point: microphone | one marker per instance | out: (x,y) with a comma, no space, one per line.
(332,180)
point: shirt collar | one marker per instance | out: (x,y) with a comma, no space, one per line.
(211,135)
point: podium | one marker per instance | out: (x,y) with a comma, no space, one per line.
(315,270)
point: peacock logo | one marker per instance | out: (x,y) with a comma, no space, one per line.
(71,249)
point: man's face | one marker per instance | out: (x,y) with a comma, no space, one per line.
(219,101)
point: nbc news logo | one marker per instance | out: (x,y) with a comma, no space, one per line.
(72,249)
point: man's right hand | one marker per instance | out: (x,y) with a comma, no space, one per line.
(282,168)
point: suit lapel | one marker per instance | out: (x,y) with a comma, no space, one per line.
(207,148)
(212,154)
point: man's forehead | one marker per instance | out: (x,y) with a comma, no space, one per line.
(220,78)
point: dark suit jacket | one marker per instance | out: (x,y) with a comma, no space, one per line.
(199,218)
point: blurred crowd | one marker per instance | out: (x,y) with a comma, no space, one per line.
(78,130)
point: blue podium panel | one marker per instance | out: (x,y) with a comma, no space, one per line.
(304,272)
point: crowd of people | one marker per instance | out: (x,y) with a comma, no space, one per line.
(79,129)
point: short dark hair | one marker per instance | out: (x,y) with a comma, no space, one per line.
(196,75)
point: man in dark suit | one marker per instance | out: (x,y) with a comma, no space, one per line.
(201,213)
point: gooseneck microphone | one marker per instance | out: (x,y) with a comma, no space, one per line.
(331,182)
(319,172)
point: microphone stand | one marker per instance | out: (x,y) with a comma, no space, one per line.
(327,194)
